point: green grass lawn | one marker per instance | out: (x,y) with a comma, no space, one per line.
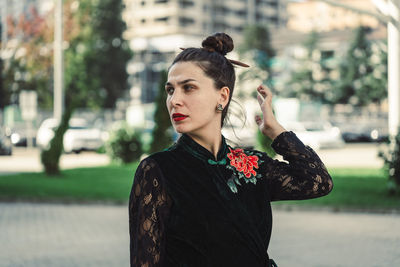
(363,189)
(105,184)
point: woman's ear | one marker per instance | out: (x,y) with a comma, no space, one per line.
(224,95)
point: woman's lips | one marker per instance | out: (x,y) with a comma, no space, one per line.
(178,116)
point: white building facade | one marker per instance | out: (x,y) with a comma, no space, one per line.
(158,28)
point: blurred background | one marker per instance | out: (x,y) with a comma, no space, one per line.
(326,64)
(82,100)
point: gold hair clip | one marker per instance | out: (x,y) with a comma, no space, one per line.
(236,62)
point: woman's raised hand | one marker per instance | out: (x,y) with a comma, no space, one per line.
(267,124)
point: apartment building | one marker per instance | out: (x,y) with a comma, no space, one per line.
(157,28)
(317,16)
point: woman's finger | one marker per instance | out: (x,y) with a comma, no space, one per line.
(267,95)
(258,119)
(260,98)
(264,88)
(262,91)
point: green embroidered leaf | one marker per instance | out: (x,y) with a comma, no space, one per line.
(237,181)
(232,185)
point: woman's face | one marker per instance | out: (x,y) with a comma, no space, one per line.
(192,100)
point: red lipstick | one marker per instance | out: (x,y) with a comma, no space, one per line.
(178,116)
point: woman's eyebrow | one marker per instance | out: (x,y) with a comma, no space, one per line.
(181,82)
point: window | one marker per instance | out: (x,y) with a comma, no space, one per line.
(241,12)
(274,19)
(238,29)
(221,25)
(273,3)
(183,21)
(162,19)
(186,3)
(223,11)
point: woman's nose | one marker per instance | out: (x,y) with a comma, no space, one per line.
(176,98)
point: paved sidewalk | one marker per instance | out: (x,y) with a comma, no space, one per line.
(356,155)
(56,235)
(326,239)
(28,160)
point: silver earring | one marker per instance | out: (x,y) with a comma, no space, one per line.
(219,107)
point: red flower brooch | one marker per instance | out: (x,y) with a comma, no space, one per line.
(242,162)
(243,166)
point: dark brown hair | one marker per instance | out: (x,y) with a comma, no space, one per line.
(211,59)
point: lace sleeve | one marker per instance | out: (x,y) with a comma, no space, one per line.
(148,211)
(304,177)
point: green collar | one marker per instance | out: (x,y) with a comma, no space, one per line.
(201,152)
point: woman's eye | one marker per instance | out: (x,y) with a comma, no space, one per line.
(169,90)
(188,87)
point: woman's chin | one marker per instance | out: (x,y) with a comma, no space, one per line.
(180,130)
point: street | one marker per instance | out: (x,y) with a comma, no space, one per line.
(28,160)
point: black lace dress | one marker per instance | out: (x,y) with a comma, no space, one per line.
(187,208)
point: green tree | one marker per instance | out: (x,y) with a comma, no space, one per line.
(95,62)
(310,79)
(30,58)
(97,56)
(162,137)
(3,95)
(257,50)
(362,76)
(113,52)
(51,157)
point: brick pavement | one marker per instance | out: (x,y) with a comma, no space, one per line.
(57,235)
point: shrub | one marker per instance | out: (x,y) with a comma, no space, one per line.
(162,134)
(392,164)
(124,144)
(264,144)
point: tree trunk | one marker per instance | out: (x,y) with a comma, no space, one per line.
(50,157)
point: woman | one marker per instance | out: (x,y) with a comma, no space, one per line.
(201,202)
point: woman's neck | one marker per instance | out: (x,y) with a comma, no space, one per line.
(211,142)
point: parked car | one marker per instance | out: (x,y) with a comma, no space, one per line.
(79,136)
(316,134)
(19,135)
(5,141)
(369,131)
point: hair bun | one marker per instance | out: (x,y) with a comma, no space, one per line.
(219,42)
